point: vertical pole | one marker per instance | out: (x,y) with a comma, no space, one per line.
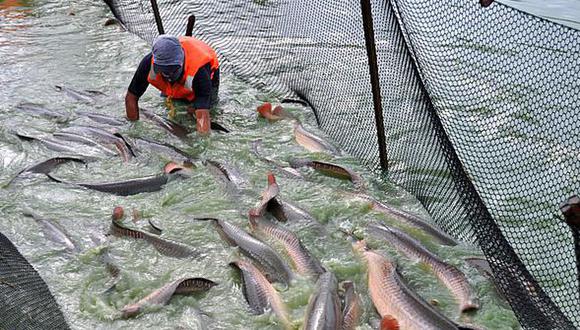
(190,25)
(374,73)
(571,211)
(157,17)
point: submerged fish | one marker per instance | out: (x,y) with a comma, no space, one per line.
(227,174)
(163,246)
(259,293)
(312,142)
(162,295)
(104,137)
(88,142)
(53,232)
(47,166)
(63,146)
(285,170)
(173,153)
(305,263)
(323,310)
(273,266)
(410,219)
(102,119)
(352,306)
(452,277)
(330,169)
(170,126)
(394,300)
(86,96)
(39,110)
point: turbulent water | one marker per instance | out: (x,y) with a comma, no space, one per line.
(43,44)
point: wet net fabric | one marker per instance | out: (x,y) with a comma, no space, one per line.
(25,301)
(480,111)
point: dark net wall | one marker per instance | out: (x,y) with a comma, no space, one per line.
(479,109)
(25,301)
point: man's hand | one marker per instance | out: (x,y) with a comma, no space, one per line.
(132,106)
(203,121)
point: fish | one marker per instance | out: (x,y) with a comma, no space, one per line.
(227,174)
(410,219)
(169,125)
(47,166)
(259,293)
(53,232)
(285,170)
(104,137)
(173,153)
(394,300)
(330,169)
(39,110)
(60,145)
(162,295)
(352,306)
(323,310)
(85,96)
(218,127)
(163,246)
(271,264)
(452,277)
(271,191)
(305,263)
(102,118)
(130,187)
(312,142)
(105,149)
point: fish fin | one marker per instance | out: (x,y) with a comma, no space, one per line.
(196,284)
(129,145)
(154,228)
(119,230)
(388,322)
(218,127)
(53,178)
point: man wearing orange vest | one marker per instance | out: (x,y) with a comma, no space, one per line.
(181,68)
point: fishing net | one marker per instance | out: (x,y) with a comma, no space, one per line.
(25,301)
(479,105)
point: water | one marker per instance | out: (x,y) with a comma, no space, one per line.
(43,44)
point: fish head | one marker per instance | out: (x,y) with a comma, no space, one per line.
(130,310)
(118,213)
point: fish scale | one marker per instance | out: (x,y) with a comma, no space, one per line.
(323,312)
(392,297)
(259,293)
(452,277)
(305,263)
(268,260)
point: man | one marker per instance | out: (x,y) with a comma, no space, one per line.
(181,68)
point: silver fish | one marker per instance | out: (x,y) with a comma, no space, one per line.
(39,110)
(394,300)
(162,295)
(259,293)
(273,266)
(409,219)
(452,277)
(86,96)
(304,261)
(164,246)
(324,305)
(53,232)
(312,142)
(285,170)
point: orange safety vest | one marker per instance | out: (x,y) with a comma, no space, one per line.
(197,54)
